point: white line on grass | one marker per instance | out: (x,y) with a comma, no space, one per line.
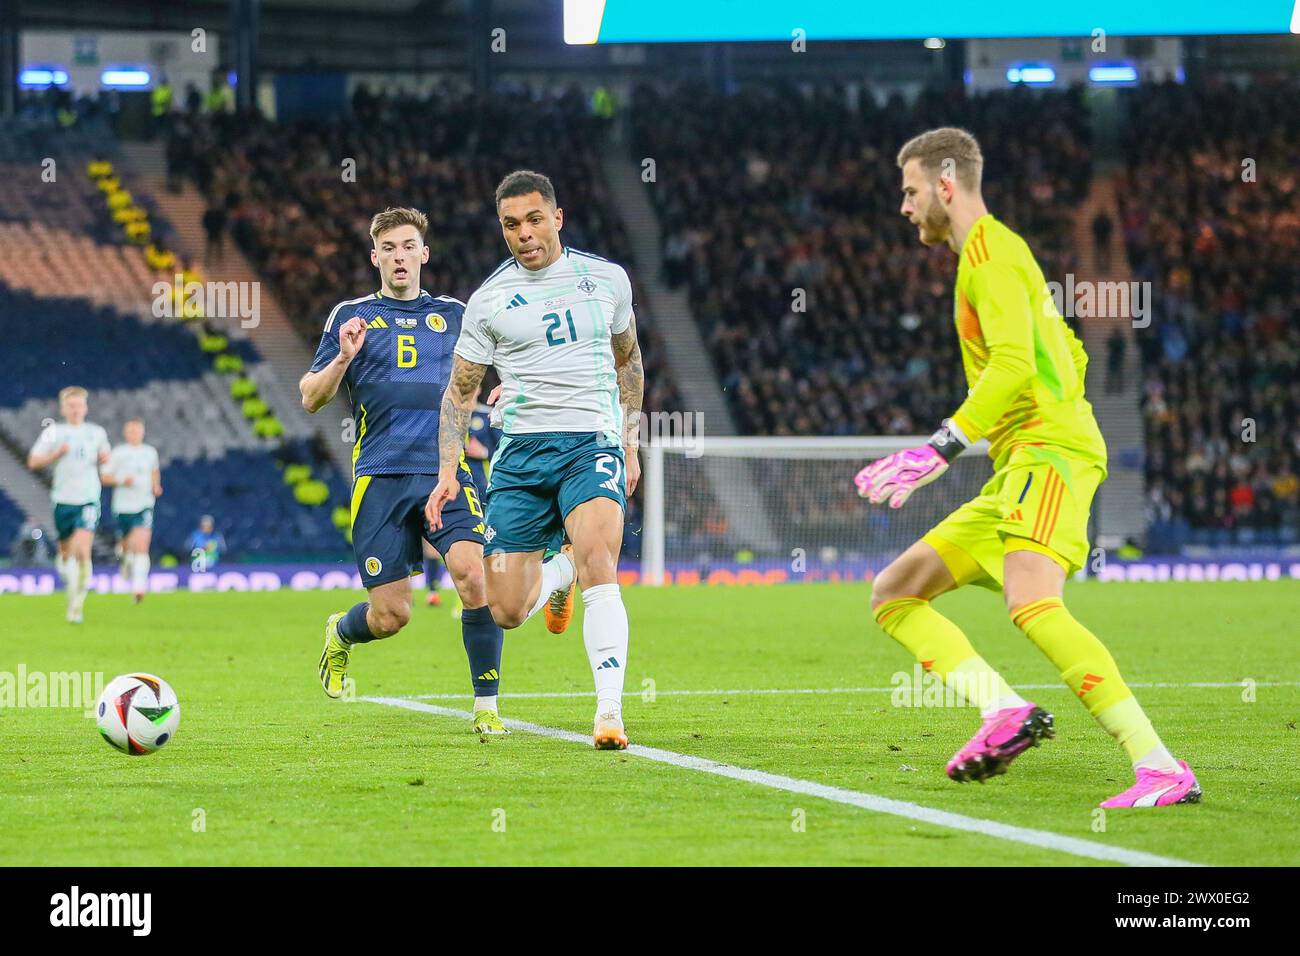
(854,798)
(833,690)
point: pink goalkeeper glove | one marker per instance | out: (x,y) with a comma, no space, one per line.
(899,475)
(896,476)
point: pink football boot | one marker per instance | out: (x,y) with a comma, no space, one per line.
(1001,738)
(1159,788)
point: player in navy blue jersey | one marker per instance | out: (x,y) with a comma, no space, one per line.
(392,352)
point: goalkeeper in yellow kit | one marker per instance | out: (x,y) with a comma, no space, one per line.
(1028,527)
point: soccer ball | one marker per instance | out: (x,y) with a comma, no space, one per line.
(138,713)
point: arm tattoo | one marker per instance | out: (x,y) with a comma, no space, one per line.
(631,382)
(457,408)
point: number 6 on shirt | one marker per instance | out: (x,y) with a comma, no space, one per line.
(406,354)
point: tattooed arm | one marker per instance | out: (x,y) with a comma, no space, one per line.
(458,403)
(631,392)
(453,422)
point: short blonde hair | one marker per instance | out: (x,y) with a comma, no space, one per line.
(947,144)
(72,391)
(392,217)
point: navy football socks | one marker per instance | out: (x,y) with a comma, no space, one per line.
(353,627)
(483,640)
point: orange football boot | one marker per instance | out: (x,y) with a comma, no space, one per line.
(559,609)
(609,733)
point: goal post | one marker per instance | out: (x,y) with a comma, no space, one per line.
(784,508)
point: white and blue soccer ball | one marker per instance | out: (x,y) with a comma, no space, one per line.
(138,713)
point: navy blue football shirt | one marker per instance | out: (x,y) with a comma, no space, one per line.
(396,382)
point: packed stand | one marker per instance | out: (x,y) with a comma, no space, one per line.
(280,191)
(772,190)
(1211,217)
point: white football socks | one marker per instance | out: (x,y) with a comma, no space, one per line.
(975,682)
(1005,702)
(556,573)
(604,632)
(78,583)
(140,573)
(485,703)
(70,571)
(1158,758)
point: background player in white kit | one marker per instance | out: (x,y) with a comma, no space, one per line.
(558,325)
(134,473)
(76,448)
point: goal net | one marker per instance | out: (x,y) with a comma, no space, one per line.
(783,509)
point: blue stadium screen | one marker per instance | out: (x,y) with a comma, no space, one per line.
(669,21)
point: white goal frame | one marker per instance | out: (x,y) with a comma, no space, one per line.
(866,447)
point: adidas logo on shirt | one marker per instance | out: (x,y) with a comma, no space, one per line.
(517,300)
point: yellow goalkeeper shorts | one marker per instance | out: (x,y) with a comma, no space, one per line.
(1038,501)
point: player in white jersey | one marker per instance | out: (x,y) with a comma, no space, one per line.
(134,473)
(558,325)
(76,448)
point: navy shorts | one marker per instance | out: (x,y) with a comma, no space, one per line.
(538,479)
(388,523)
(70,518)
(126,523)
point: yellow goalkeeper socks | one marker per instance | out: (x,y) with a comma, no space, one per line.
(943,649)
(1088,669)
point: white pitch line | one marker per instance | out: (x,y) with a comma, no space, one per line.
(829,690)
(854,798)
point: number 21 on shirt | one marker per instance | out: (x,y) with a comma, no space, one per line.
(552,320)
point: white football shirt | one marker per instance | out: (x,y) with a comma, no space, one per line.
(76,474)
(548,334)
(138,462)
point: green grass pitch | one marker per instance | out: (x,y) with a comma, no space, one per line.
(266,770)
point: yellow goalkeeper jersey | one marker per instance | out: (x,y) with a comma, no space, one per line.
(1024,365)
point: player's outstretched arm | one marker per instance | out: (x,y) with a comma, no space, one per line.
(319,388)
(896,476)
(458,403)
(631,393)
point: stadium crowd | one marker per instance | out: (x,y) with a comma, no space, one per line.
(297,197)
(1219,240)
(823,314)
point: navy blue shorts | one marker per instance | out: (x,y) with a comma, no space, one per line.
(538,479)
(70,518)
(126,523)
(388,523)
